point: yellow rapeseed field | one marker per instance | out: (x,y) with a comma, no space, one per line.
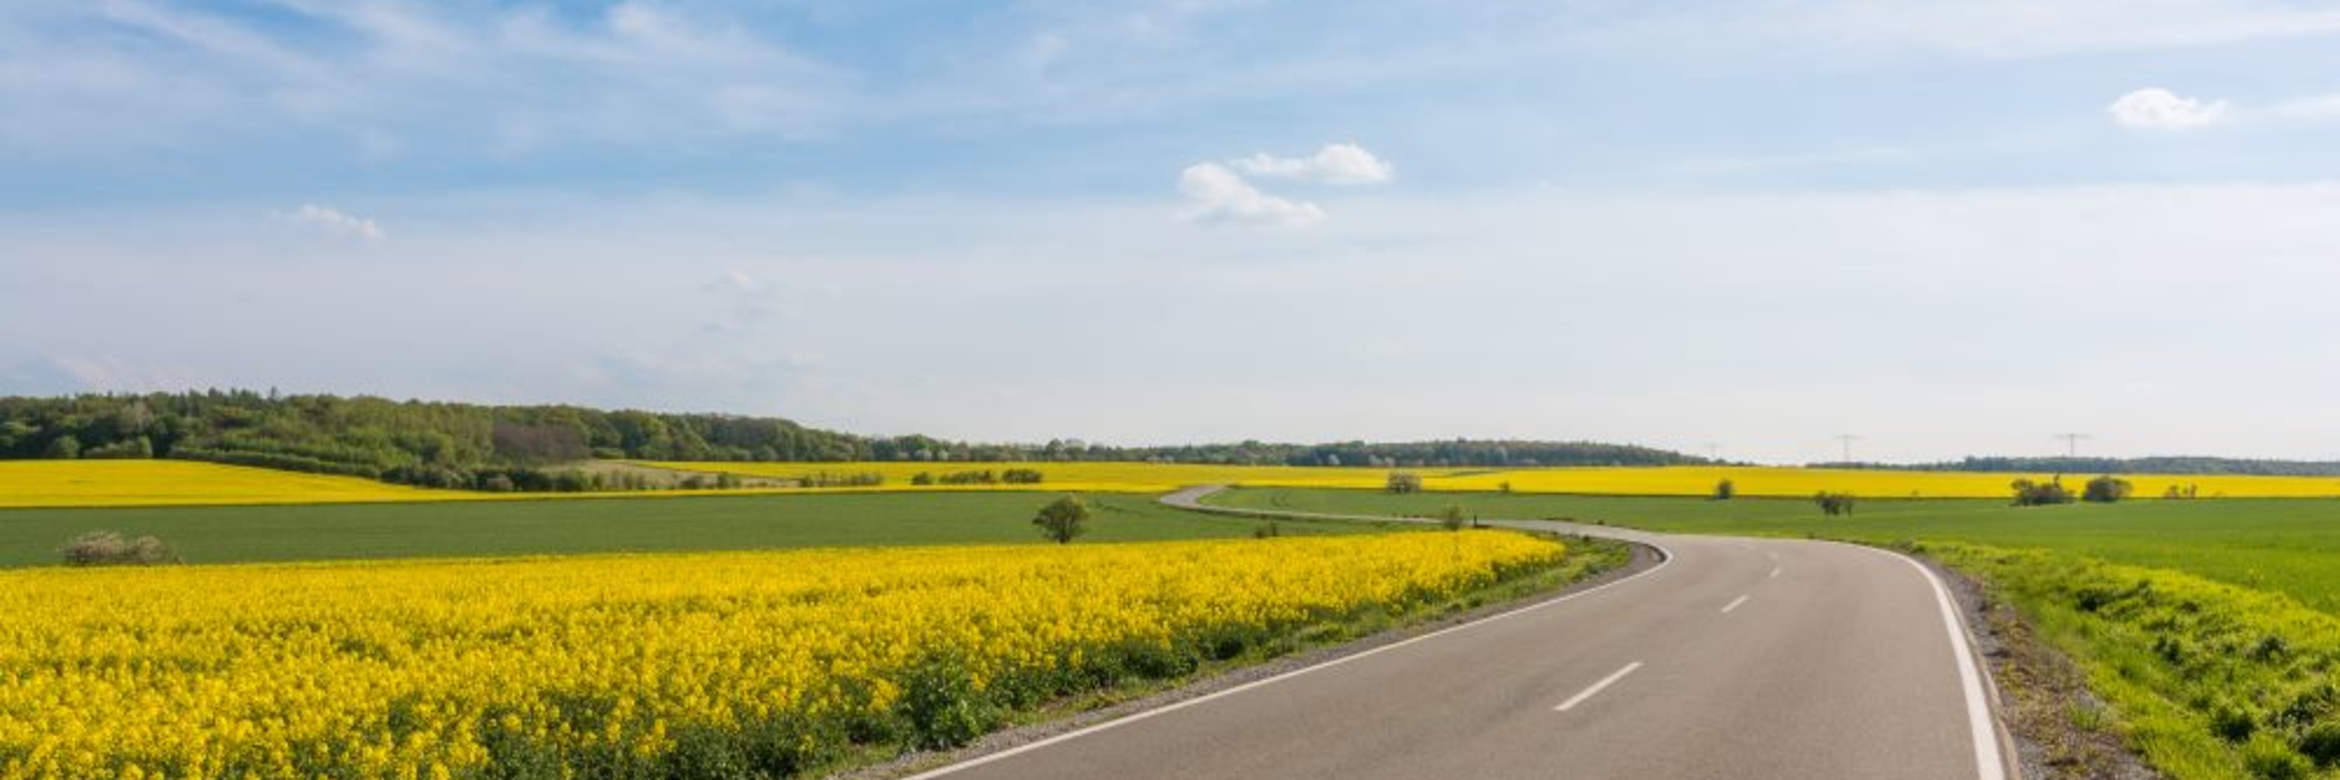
(1620,481)
(70,483)
(1772,481)
(671,666)
(79,483)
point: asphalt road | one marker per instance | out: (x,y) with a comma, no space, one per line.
(1735,658)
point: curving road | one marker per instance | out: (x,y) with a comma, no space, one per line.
(1735,658)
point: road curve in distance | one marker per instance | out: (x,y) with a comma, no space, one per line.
(1738,658)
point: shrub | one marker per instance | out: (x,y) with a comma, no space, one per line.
(2271,759)
(106,548)
(1405,482)
(1020,476)
(2106,489)
(2049,493)
(2229,722)
(825,480)
(1725,490)
(1833,504)
(2322,743)
(942,706)
(1453,517)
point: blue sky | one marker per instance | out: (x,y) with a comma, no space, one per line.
(1949,227)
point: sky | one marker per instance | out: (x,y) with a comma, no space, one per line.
(1743,227)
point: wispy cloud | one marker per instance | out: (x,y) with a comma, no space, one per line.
(336,222)
(1334,164)
(2154,108)
(1216,194)
(1981,29)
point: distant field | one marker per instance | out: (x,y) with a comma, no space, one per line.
(2289,546)
(128,483)
(1638,481)
(68,483)
(700,522)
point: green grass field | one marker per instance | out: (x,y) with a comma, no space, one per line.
(234,534)
(2289,546)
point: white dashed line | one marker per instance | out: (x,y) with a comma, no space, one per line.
(1596,687)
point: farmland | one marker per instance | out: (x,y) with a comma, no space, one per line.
(221,534)
(125,483)
(2290,547)
(1619,481)
(681,666)
(73,483)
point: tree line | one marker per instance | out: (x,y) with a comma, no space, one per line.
(484,447)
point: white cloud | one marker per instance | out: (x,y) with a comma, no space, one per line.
(2154,108)
(1214,193)
(1333,164)
(336,222)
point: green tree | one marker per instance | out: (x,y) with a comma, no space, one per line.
(64,448)
(1725,490)
(1402,482)
(1063,519)
(2106,489)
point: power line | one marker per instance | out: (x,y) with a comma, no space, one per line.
(1847,440)
(2072,443)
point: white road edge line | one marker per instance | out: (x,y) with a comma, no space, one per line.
(1666,558)
(1979,721)
(1735,604)
(1596,688)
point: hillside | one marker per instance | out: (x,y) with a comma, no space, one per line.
(460,445)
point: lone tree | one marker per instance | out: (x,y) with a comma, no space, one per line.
(2106,489)
(1833,504)
(2049,493)
(1725,490)
(1063,519)
(1405,482)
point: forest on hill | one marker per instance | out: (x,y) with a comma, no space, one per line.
(461,445)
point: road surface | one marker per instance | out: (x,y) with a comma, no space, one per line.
(1735,658)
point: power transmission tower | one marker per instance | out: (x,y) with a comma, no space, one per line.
(1847,440)
(1713,452)
(2072,443)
